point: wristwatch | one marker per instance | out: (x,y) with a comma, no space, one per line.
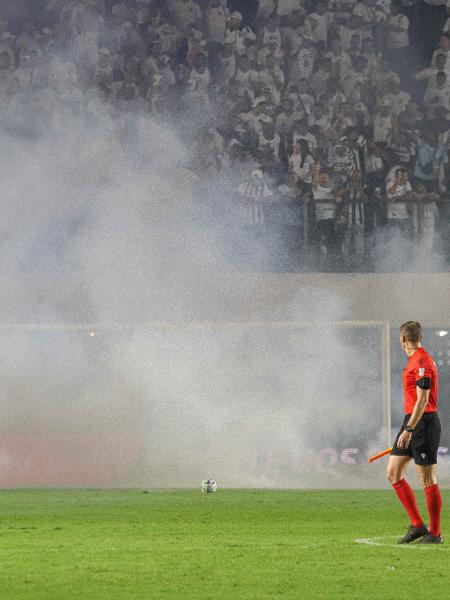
(408,428)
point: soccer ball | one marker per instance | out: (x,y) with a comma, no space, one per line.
(209,486)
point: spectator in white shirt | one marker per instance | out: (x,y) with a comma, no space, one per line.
(302,63)
(441,63)
(294,32)
(305,96)
(246,78)
(383,123)
(355,84)
(343,118)
(285,123)
(271,80)
(444,48)
(238,35)
(257,115)
(323,189)
(321,20)
(366,10)
(301,164)
(351,33)
(226,65)
(397,98)
(369,52)
(398,190)
(397,28)
(437,94)
(271,32)
(446,28)
(319,117)
(334,96)
(196,95)
(340,60)
(326,201)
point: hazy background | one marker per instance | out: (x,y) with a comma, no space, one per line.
(102,234)
(157,405)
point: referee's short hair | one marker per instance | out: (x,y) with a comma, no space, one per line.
(412,330)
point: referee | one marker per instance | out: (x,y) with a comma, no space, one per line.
(418,438)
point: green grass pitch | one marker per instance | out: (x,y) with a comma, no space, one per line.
(127,544)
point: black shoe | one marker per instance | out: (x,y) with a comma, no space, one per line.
(432,539)
(413,534)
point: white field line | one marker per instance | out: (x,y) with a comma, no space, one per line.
(383,541)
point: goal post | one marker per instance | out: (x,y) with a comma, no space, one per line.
(178,326)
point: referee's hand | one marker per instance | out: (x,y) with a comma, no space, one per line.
(404,439)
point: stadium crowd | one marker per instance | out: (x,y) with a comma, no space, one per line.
(325,124)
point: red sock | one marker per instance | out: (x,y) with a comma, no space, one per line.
(407,498)
(434,504)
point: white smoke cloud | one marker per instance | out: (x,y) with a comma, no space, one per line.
(110,220)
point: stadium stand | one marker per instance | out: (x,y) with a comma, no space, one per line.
(326,122)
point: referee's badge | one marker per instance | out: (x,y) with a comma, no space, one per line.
(421,371)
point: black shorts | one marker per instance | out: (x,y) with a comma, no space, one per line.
(424,444)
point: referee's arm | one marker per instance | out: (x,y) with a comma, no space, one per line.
(419,407)
(423,393)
